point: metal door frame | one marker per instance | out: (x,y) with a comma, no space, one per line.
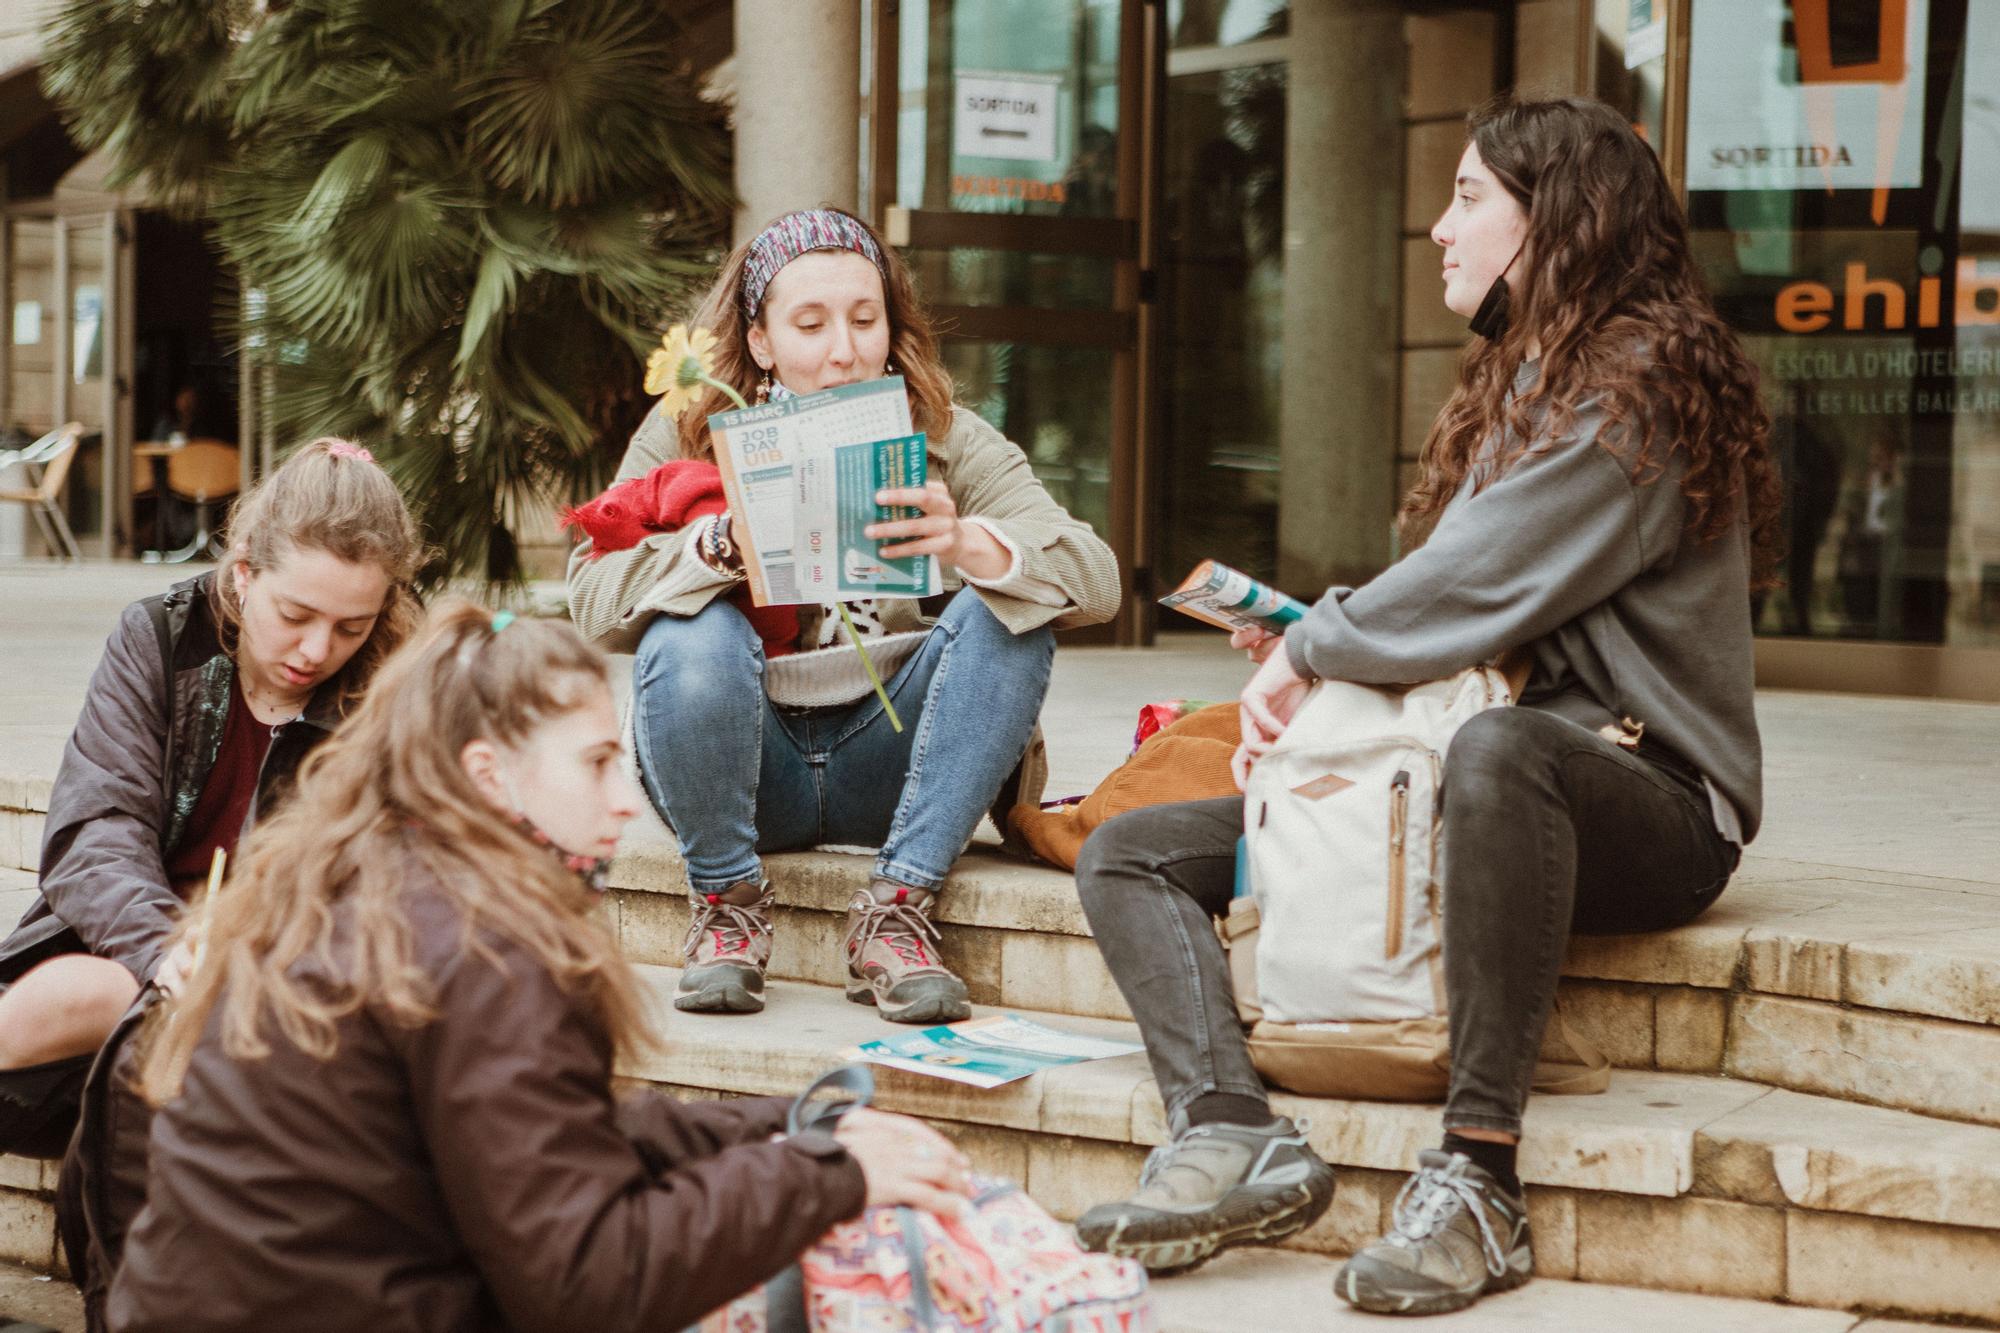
(1128,330)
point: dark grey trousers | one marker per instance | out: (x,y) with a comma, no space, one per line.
(1548,829)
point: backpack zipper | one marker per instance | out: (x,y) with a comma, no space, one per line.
(1399,823)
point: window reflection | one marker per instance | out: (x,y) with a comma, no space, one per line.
(1222,293)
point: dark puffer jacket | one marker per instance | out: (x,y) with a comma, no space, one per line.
(145,743)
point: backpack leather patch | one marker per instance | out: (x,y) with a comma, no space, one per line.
(1323,786)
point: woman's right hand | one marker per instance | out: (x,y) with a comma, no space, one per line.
(906,1162)
(1259,643)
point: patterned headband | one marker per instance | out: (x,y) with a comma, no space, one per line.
(797,234)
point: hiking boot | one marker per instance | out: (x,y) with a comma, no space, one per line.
(1214,1186)
(892,959)
(728,946)
(1457,1236)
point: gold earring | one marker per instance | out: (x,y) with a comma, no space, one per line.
(764,387)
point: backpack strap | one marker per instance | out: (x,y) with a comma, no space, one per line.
(811,1111)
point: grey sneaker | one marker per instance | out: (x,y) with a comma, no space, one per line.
(1457,1236)
(728,947)
(1214,1186)
(892,959)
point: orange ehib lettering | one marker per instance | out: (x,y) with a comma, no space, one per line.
(1807,306)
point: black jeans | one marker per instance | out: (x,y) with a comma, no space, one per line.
(1548,829)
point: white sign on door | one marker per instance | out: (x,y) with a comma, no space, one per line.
(1006,115)
(1776,103)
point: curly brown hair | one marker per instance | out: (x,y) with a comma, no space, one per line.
(1607,289)
(913,347)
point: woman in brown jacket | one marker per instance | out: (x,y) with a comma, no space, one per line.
(385,1094)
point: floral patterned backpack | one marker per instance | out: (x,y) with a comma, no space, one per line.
(1007,1268)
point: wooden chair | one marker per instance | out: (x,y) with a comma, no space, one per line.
(53,453)
(205,473)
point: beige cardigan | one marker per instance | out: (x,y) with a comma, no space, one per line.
(612,598)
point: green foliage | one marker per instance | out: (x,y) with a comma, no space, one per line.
(464,219)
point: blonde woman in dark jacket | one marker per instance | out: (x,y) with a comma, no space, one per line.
(385,1097)
(207,698)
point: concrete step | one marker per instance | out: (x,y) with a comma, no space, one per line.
(1285,1292)
(1858,984)
(1670,1182)
(36,1298)
(1873,988)
(1291,1293)
(1680,1182)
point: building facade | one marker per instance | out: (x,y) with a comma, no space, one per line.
(1182,249)
(1180,252)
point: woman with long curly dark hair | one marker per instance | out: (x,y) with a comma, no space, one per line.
(1599,502)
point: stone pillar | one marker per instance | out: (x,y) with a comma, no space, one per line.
(798,107)
(1343,208)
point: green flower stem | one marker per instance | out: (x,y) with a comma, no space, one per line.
(735,398)
(868,665)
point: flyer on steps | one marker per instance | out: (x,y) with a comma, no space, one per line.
(801,475)
(987,1052)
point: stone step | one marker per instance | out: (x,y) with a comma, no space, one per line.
(1878,989)
(1282,1290)
(1289,1293)
(1858,984)
(1681,1182)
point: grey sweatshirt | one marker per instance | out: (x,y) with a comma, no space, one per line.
(1625,616)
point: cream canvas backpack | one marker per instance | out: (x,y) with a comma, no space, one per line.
(1344,919)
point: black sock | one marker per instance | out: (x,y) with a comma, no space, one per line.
(1229,1108)
(1496,1159)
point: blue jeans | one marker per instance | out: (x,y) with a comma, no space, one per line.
(735,776)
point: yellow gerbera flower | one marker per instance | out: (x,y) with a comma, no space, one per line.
(684,362)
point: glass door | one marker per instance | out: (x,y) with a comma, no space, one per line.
(62,356)
(1006,161)
(1222,284)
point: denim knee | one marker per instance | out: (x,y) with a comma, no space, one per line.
(708,656)
(1118,853)
(969,620)
(1499,746)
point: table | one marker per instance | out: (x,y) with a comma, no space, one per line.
(157,451)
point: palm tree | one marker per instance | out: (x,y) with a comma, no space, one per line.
(456,222)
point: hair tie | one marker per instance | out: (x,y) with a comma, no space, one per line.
(342,449)
(501,620)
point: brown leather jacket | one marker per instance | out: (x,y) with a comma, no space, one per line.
(473,1173)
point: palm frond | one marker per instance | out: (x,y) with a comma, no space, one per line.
(461,222)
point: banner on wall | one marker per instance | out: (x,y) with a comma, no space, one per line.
(1806,94)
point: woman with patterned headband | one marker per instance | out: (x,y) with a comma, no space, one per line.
(742,761)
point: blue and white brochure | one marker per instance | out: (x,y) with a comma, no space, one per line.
(987,1052)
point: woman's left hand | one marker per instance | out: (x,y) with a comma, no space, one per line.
(939,531)
(1266,708)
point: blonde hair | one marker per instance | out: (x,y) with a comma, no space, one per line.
(328,496)
(386,788)
(913,346)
